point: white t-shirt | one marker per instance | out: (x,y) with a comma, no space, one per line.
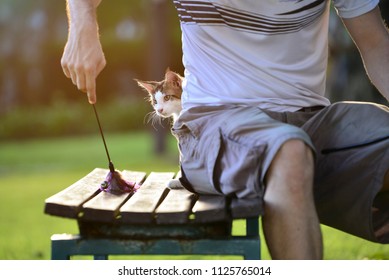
(266,53)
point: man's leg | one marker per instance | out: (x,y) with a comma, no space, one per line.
(290,222)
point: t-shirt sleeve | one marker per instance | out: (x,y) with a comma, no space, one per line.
(354,8)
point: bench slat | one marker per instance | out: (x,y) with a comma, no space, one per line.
(140,207)
(210,208)
(245,208)
(68,202)
(176,207)
(104,207)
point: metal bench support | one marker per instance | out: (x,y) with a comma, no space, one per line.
(64,245)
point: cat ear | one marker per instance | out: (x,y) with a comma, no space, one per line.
(173,78)
(148,86)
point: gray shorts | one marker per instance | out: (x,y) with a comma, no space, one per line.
(226,150)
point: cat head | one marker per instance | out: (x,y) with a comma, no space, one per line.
(165,96)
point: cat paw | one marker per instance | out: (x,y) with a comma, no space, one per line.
(174,184)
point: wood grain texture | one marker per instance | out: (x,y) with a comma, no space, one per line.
(140,208)
(68,202)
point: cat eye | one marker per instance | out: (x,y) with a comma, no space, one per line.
(167,97)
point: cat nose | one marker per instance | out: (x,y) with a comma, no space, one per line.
(160,111)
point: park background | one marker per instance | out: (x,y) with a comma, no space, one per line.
(48,135)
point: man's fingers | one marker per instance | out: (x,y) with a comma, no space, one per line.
(84,79)
(81,84)
(91,88)
(90,80)
(66,71)
(65,67)
(73,77)
(91,98)
(84,69)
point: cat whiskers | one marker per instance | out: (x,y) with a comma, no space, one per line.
(154,119)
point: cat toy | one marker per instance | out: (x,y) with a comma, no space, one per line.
(114,182)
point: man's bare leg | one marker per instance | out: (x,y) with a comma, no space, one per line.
(290,223)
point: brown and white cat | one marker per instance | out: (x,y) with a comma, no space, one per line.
(165,97)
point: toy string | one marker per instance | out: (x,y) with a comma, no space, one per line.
(111,167)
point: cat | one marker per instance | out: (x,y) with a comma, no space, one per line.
(165,97)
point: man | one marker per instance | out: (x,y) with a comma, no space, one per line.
(255,122)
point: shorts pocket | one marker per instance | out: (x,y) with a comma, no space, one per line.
(197,159)
(238,168)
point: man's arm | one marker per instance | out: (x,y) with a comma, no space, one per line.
(372,39)
(83,58)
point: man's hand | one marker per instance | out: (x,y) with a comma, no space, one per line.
(83,58)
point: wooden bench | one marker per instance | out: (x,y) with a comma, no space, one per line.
(155,220)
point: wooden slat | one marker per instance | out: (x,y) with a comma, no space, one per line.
(245,208)
(152,203)
(140,207)
(176,207)
(67,203)
(105,206)
(210,208)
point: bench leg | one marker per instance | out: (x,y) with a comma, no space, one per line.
(252,226)
(60,244)
(252,230)
(100,257)
(64,246)
(252,252)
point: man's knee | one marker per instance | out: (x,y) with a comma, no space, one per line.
(296,147)
(292,167)
(294,154)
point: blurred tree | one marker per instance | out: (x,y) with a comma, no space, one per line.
(159,53)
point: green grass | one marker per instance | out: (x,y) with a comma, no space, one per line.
(31,171)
